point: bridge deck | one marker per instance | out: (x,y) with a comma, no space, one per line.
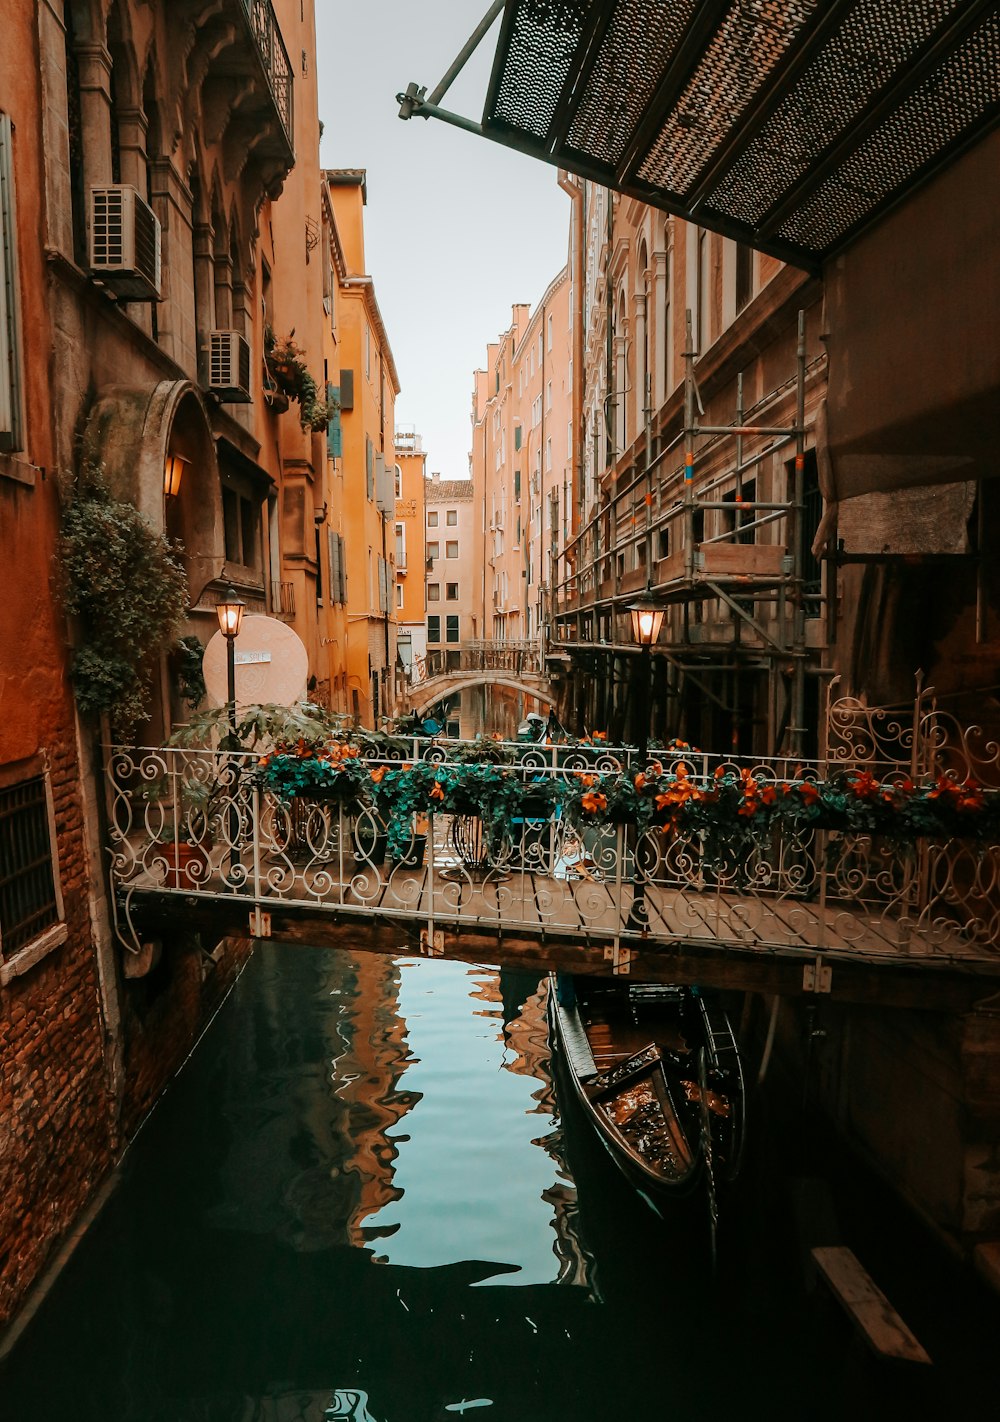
(707,936)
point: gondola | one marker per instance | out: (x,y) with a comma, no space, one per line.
(658,1071)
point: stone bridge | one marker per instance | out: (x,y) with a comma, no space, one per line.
(516,665)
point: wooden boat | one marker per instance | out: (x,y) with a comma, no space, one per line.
(658,1071)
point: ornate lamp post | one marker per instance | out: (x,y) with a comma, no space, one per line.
(230,614)
(647,619)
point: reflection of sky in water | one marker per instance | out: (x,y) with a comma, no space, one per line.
(472,1181)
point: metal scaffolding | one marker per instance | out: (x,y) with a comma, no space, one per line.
(690,521)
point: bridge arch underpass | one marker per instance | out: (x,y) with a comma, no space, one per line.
(428,693)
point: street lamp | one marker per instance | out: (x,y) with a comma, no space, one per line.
(647,619)
(230,614)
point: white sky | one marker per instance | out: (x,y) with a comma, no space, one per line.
(458,229)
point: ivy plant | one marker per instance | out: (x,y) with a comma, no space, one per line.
(125,583)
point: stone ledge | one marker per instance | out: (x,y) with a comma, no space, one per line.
(32,953)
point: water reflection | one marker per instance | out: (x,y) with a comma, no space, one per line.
(360,1201)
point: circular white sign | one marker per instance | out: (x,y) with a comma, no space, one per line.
(272,664)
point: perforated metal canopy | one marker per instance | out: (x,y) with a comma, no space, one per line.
(787,124)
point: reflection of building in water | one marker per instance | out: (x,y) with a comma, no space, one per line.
(521,1010)
(321,1158)
(366,1074)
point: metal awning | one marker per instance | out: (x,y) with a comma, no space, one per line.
(787,124)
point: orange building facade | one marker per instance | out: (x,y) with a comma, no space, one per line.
(410,551)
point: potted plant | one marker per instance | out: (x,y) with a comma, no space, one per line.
(285,365)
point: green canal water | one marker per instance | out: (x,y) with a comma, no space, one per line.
(365,1197)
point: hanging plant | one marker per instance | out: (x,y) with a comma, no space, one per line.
(189,655)
(286,365)
(125,583)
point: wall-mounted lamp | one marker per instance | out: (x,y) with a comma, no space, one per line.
(173,473)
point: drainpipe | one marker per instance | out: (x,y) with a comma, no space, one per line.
(575,191)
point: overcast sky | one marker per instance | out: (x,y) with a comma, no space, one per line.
(458,229)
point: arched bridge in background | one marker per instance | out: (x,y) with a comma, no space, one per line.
(515,665)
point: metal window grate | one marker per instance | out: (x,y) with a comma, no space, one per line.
(28,902)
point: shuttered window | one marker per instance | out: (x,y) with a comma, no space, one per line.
(369,469)
(11,416)
(334,429)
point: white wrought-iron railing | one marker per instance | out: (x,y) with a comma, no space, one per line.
(204,824)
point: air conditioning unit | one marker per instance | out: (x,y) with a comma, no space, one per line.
(124,246)
(229,367)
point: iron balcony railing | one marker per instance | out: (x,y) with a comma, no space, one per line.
(274,58)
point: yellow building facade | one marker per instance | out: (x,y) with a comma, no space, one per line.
(368,386)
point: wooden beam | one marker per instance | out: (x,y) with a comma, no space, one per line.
(867,1306)
(929,987)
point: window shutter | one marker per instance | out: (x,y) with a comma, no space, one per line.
(333,553)
(334,429)
(517,436)
(383,585)
(10,353)
(347,389)
(369,469)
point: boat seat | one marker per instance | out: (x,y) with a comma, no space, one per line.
(576,1044)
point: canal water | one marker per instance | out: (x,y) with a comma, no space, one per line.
(367,1197)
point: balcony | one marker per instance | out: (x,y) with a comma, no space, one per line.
(273,56)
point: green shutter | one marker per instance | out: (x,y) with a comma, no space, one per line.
(334,429)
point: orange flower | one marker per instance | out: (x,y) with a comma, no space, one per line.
(594,801)
(600,735)
(809,791)
(769,794)
(437,793)
(586,779)
(264,762)
(865,786)
(640,781)
(378,774)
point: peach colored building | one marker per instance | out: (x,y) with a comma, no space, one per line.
(454,579)
(410,553)
(367,394)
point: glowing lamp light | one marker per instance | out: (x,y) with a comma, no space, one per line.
(173,473)
(647,619)
(230,614)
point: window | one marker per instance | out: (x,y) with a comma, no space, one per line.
(541,353)
(433,550)
(433,592)
(11,419)
(451,592)
(550,333)
(704,290)
(241,524)
(432,519)
(369,469)
(399,482)
(451,550)
(548,396)
(434,628)
(451,518)
(30,901)
(399,595)
(451,627)
(548,453)
(744,275)
(400,545)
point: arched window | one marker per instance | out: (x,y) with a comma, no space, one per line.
(621,378)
